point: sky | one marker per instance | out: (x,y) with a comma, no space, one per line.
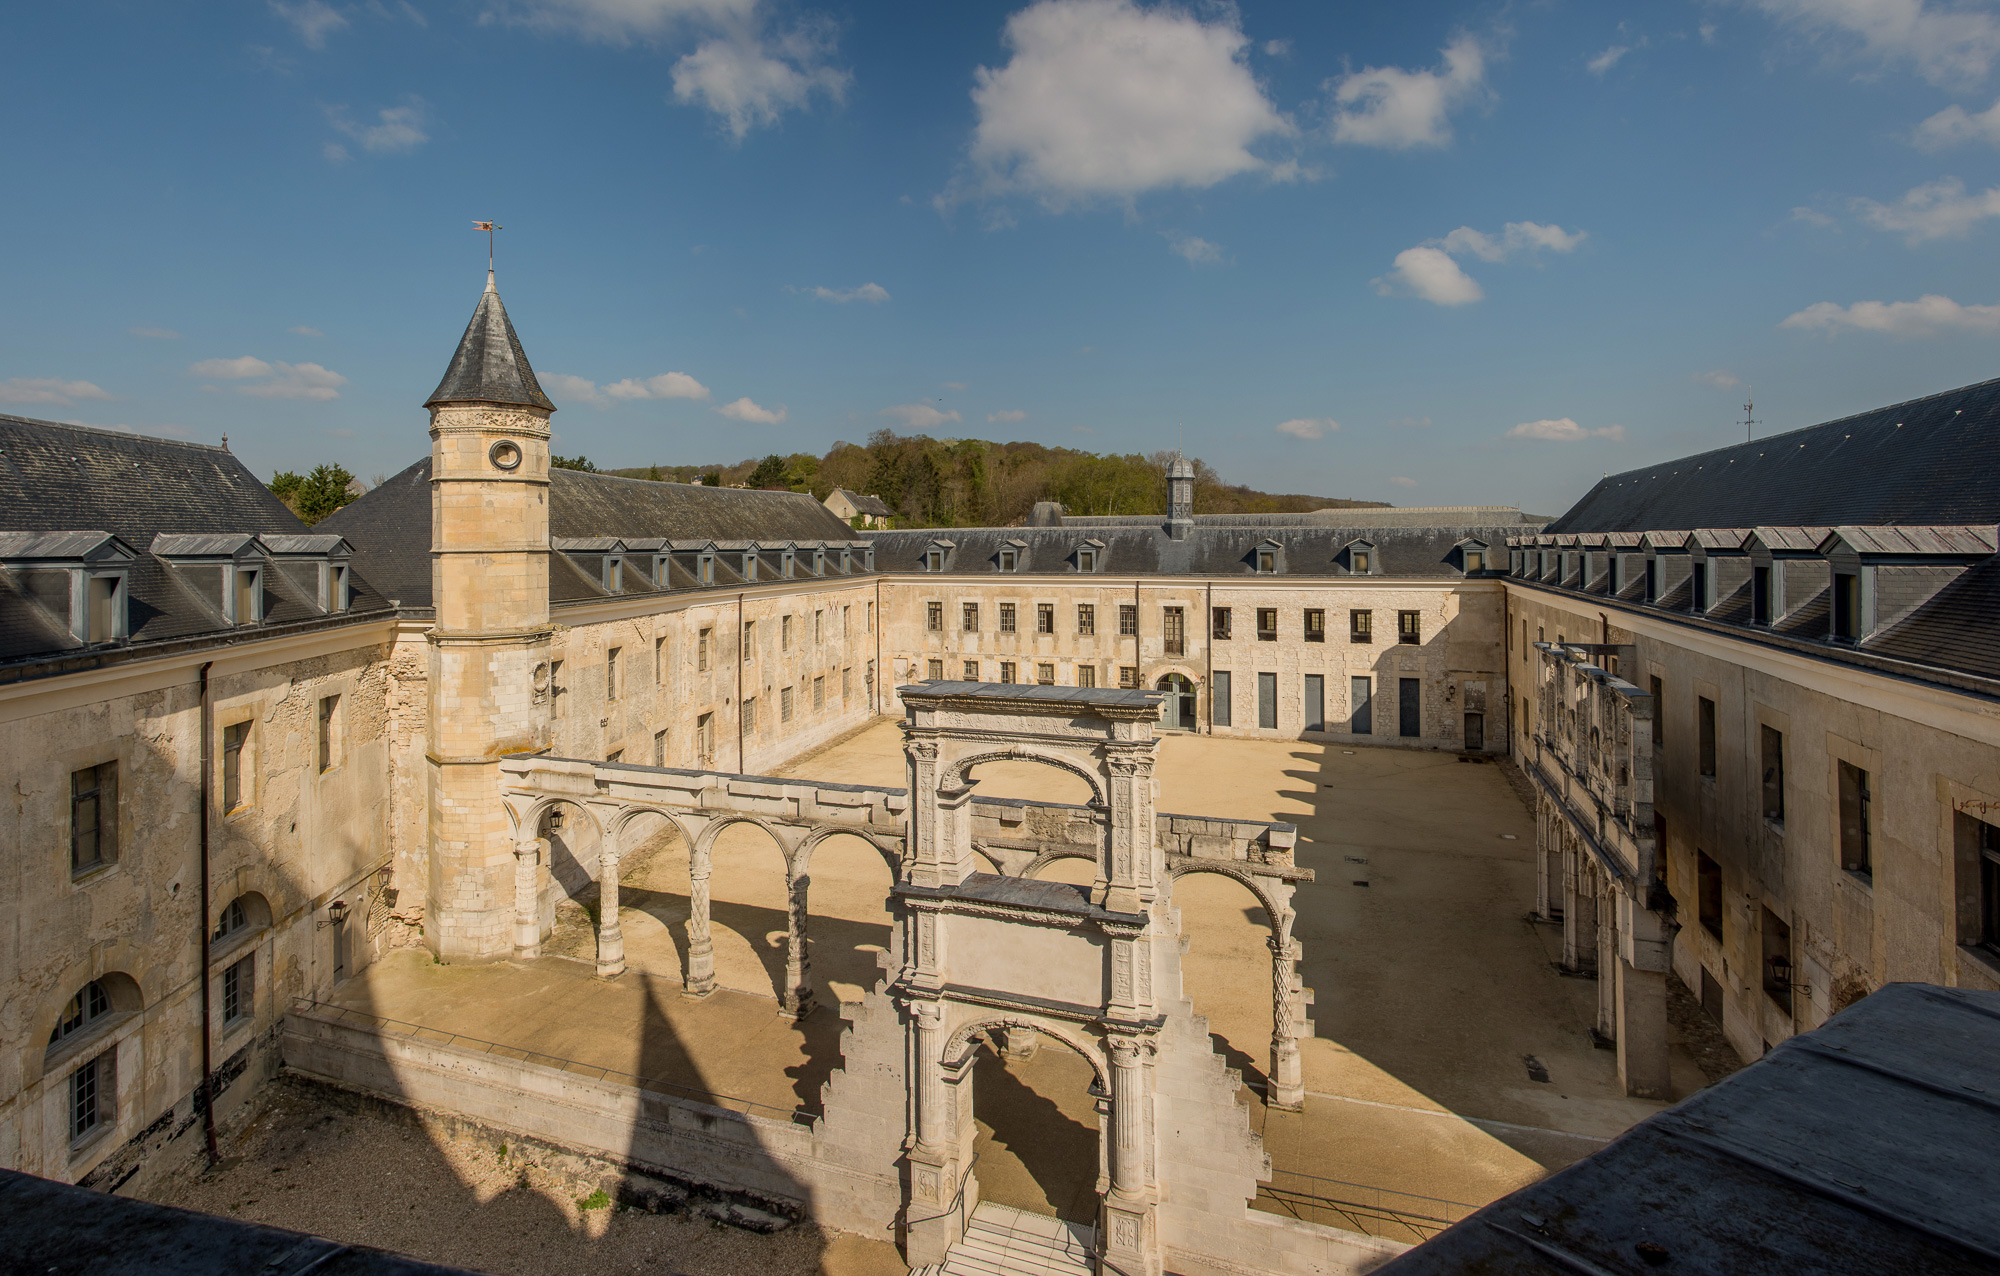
(1423,252)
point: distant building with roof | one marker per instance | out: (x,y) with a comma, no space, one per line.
(859,511)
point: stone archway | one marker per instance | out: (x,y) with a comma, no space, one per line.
(1177,709)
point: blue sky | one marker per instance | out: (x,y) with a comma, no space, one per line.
(1429,253)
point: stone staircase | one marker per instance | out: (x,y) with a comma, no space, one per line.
(1003,1241)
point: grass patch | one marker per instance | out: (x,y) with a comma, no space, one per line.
(595,1201)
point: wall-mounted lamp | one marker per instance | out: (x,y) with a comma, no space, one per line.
(336,913)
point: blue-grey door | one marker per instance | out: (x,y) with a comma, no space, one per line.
(1315,702)
(1218,698)
(1409,706)
(1267,701)
(1360,691)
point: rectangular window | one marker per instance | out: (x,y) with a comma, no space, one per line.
(1361,626)
(1704,717)
(1409,708)
(1086,675)
(1128,620)
(784,633)
(1174,629)
(1708,893)
(971,671)
(784,704)
(101,615)
(971,618)
(934,617)
(701,650)
(93,816)
(329,739)
(1659,715)
(843,620)
(1772,755)
(1045,618)
(1777,961)
(749,641)
(1409,626)
(819,626)
(1267,624)
(1315,705)
(1045,675)
(936,671)
(704,738)
(871,612)
(1086,560)
(1086,619)
(1855,817)
(1218,622)
(1007,560)
(660,742)
(233,794)
(1846,605)
(1267,701)
(1218,697)
(1006,618)
(238,981)
(1983,840)
(93,1091)
(1128,675)
(1360,706)
(611,674)
(1315,625)
(1007,672)
(819,693)
(659,662)
(749,715)
(1699,600)
(248,598)
(846,683)
(1267,560)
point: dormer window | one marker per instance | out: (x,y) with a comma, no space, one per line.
(708,569)
(244,594)
(868,560)
(1086,560)
(749,564)
(934,560)
(614,574)
(819,562)
(1009,560)
(335,593)
(1267,561)
(1360,561)
(790,561)
(1846,606)
(1360,557)
(1475,561)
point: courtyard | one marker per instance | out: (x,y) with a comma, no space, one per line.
(1451,1062)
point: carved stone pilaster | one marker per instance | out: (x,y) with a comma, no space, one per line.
(527,920)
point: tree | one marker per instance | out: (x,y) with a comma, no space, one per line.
(770,472)
(571,463)
(313,496)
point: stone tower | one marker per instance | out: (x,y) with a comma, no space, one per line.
(489,649)
(1180,498)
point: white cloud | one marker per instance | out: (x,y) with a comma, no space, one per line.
(303,330)
(48,390)
(314,20)
(1403,481)
(1935,210)
(237,369)
(1431,274)
(1007,414)
(156,334)
(1397,109)
(334,152)
(1954,125)
(1923,317)
(873,294)
(575,389)
(620,21)
(1563,430)
(921,416)
(397,130)
(1429,270)
(668,385)
(751,80)
(1718,379)
(1604,61)
(1947,45)
(1811,217)
(1198,251)
(1707,32)
(1104,98)
(745,410)
(274,380)
(1308,427)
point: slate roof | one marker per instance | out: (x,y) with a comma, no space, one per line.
(869,505)
(1208,550)
(1934,460)
(390,529)
(1863,1146)
(56,477)
(489,365)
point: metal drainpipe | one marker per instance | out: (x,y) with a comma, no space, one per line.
(875,688)
(742,657)
(1208,654)
(207,1016)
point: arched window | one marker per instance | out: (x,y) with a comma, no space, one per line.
(91,1004)
(81,1031)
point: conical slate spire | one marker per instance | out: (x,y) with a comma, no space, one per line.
(490,366)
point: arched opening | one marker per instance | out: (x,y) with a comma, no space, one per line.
(1076,870)
(1177,710)
(232,959)
(848,884)
(749,909)
(1226,968)
(652,899)
(566,898)
(1029,779)
(1035,1112)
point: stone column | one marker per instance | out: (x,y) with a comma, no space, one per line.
(1579,906)
(1130,873)
(798,998)
(1128,1244)
(610,935)
(1607,956)
(929,1022)
(701,948)
(1548,866)
(933,1214)
(1645,951)
(1287,1088)
(527,919)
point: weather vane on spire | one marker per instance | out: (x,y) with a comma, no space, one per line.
(489,228)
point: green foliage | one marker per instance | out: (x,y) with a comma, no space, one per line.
(571,463)
(595,1201)
(770,472)
(313,496)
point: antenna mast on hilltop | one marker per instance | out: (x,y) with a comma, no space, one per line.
(1748,420)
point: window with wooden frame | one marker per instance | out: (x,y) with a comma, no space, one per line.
(1315,625)
(93,817)
(1361,625)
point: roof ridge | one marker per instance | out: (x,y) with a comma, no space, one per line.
(113,433)
(627,478)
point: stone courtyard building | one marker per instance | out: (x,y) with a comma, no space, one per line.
(250,758)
